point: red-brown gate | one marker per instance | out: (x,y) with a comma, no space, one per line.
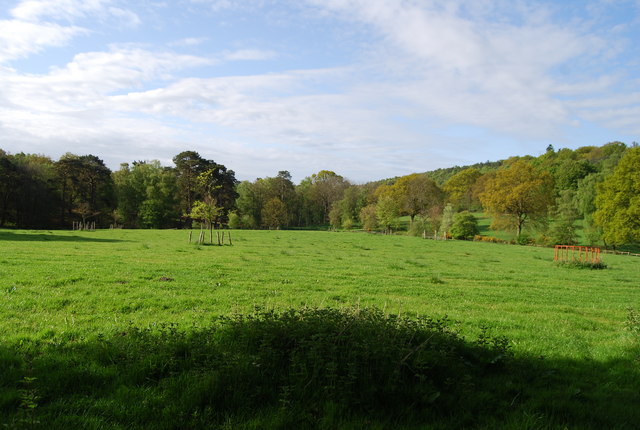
(568,253)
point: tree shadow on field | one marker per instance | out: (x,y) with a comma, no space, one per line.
(308,371)
(572,394)
(50,237)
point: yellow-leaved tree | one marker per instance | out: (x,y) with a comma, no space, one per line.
(415,194)
(459,188)
(517,194)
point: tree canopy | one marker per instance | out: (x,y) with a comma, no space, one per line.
(416,194)
(459,187)
(618,201)
(518,193)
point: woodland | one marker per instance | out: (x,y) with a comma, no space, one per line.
(546,199)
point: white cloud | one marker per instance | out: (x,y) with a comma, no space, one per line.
(250,54)
(85,81)
(127,17)
(619,112)
(268,107)
(67,108)
(463,66)
(36,10)
(272,115)
(221,5)
(33,27)
(217,5)
(19,39)
(189,41)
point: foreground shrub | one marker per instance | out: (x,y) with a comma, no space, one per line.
(294,367)
(361,359)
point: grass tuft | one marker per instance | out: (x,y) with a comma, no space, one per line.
(436,280)
(582,265)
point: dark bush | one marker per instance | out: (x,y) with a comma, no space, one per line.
(525,239)
(465,226)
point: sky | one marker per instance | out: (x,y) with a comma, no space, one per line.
(370,89)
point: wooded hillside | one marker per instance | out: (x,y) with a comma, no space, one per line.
(544,199)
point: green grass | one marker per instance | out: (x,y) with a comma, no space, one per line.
(70,300)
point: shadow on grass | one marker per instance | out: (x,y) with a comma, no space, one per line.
(308,368)
(49,237)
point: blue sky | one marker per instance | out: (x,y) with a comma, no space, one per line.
(367,88)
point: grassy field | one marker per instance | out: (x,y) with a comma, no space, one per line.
(565,327)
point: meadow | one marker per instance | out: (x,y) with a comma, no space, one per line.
(571,335)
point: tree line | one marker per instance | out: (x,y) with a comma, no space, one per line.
(596,187)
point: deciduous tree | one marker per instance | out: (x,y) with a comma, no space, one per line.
(87,186)
(274,214)
(459,188)
(9,177)
(199,178)
(345,211)
(446,220)
(220,184)
(518,193)
(415,194)
(326,188)
(147,195)
(206,211)
(252,197)
(387,212)
(570,172)
(368,217)
(618,201)
(563,229)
